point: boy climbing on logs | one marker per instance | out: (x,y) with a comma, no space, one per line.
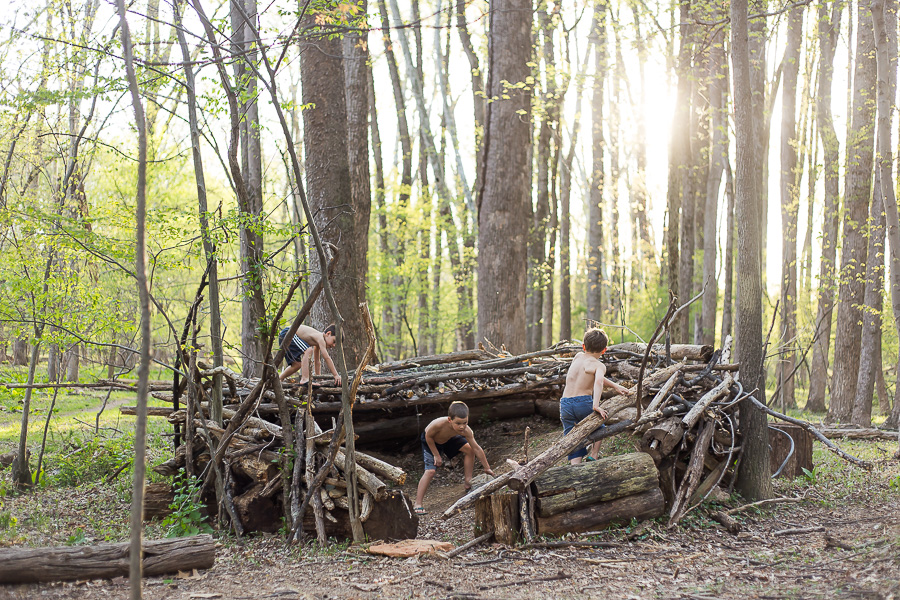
(450,435)
(584,387)
(306,343)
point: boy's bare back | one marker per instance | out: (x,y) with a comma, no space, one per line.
(583,373)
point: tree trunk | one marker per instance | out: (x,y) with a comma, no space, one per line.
(638,189)
(870,344)
(135,547)
(20,352)
(829,30)
(397,250)
(857,190)
(790,199)
(215,314)
(718,155)
(329,185)
(727,293)
(503,202)
(884,13)
(679,150)
(753,475)
(595,196)
(356,239)
(253,305)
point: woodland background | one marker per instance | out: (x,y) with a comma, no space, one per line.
(501,173)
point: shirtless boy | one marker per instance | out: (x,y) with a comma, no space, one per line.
(450,435)
(308,342)
(584,386)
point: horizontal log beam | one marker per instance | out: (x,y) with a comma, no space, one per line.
(104,561)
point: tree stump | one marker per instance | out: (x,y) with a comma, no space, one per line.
(499,513)
(781,446)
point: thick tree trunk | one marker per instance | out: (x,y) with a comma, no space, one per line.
(356,239)
(503,202)
(20,352)
(884,14)
(857,190)
(329,186)
(790,199)
(638,188)
(829,29)
(753,475)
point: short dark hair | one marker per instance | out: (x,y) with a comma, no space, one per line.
(595,340)
(332,329)
(458,410)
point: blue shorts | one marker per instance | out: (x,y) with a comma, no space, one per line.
(294,351)
(571,412)
(450,448)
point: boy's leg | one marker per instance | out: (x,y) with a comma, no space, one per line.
(427,476)
(468,464)
(305,360)
(595,450)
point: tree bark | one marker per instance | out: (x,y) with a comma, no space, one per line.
(329,185)
(356,239)
(829,30)
(29,565)
(857,190)
(718,154)
(884,12)
(503,202)
(790,199)
(679,150)
(753,476)
(646,505)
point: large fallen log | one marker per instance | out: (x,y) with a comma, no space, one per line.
(104,561)
(679,351)
(570,487)
(646,505)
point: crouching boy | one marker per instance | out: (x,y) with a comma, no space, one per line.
(450,435)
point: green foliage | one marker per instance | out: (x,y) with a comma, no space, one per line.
(92,459)
(812,475)
(187,516)
(895,483)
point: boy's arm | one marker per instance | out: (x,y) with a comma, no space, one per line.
(328,361)
(617,387)
(479,451)
(599,378)
(429,439)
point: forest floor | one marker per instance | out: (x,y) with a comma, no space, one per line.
(697,559)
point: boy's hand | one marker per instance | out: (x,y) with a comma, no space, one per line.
(438,461)
(601,412)
(337,381)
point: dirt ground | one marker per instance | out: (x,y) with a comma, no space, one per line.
(697,559)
